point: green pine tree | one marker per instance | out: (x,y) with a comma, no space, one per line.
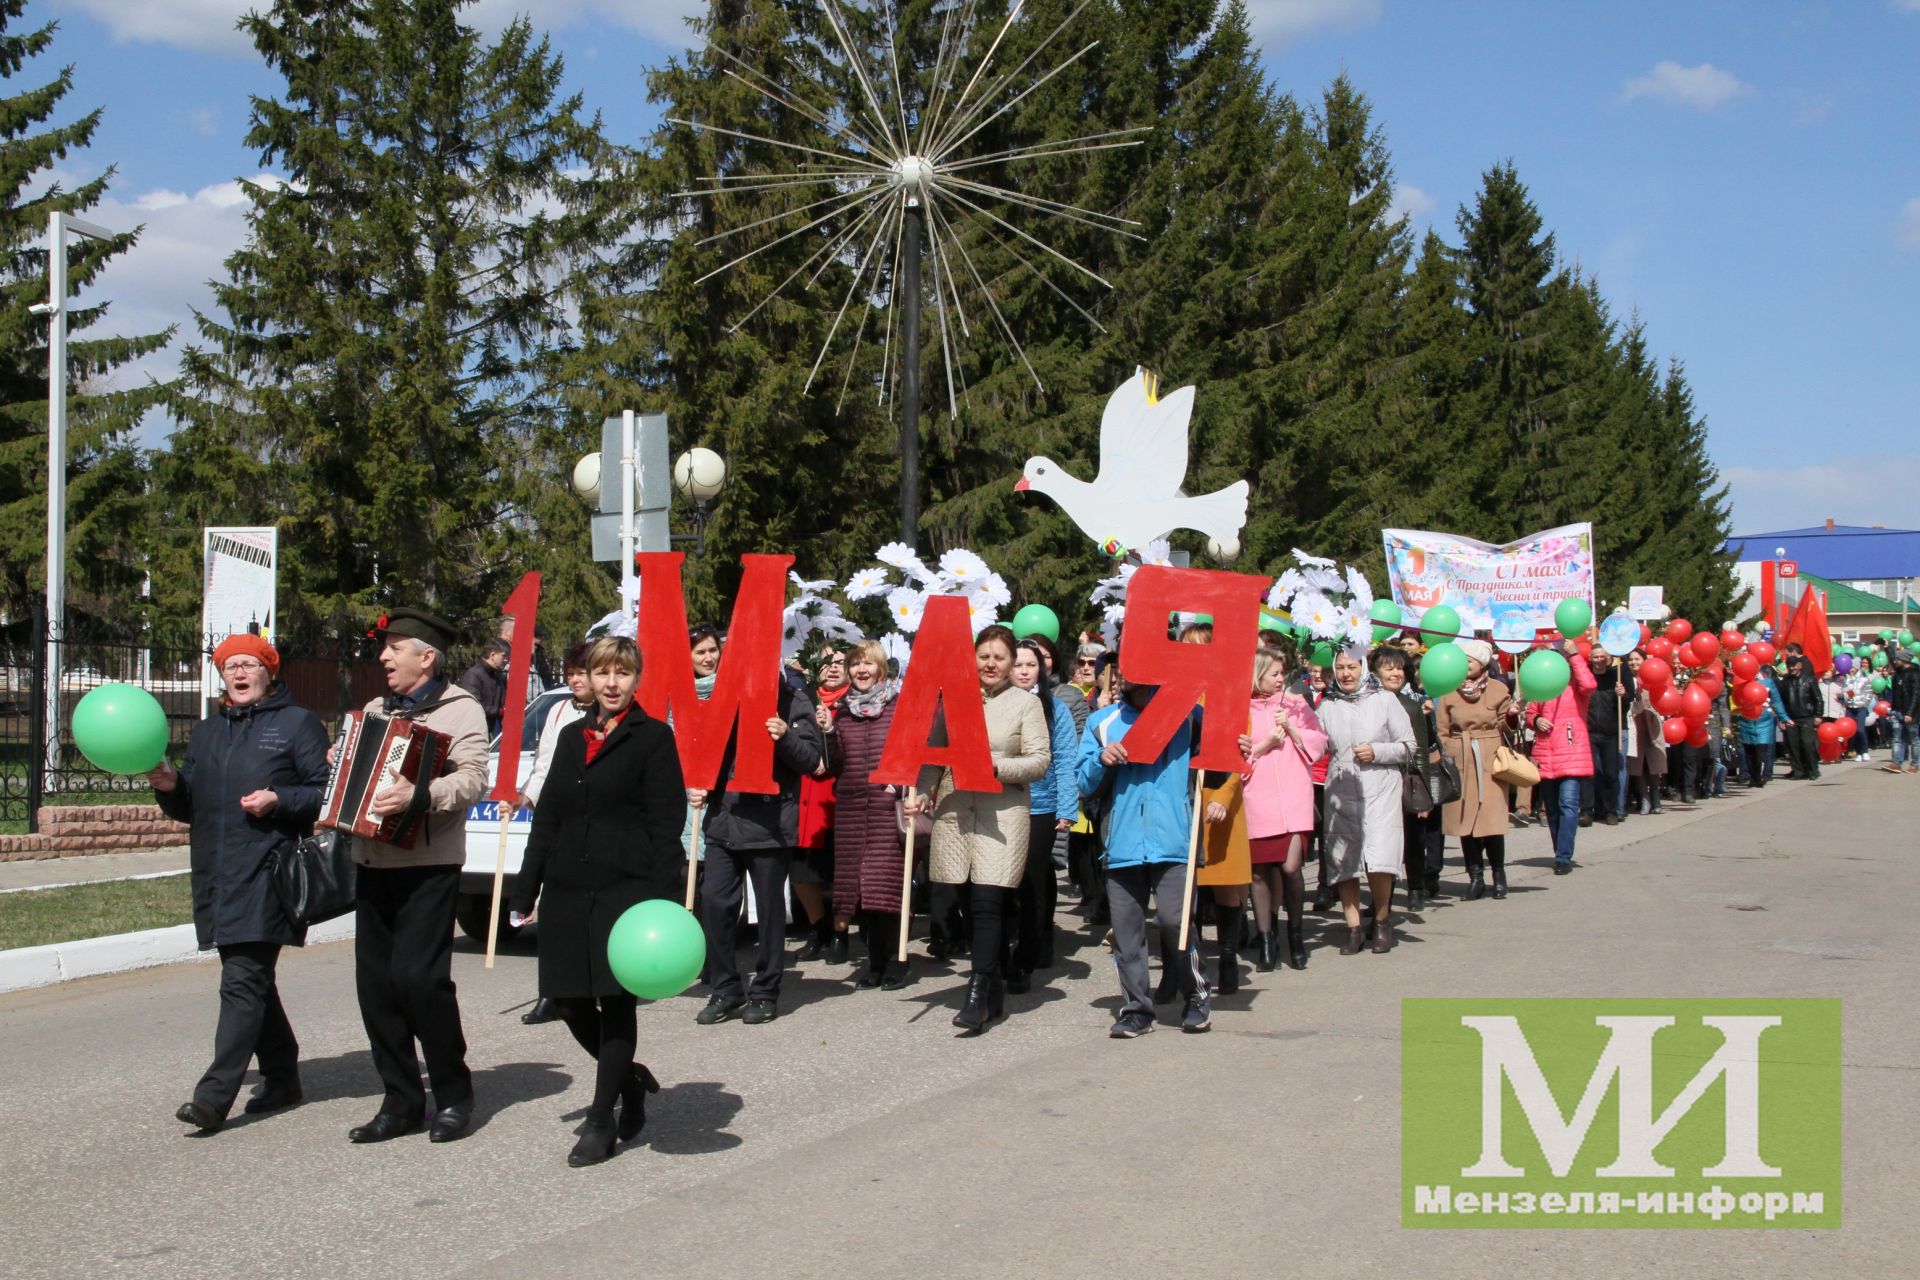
(105,471)
(377,386)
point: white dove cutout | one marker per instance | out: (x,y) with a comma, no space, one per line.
(1136,497)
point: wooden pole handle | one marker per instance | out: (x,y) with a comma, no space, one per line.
(499,879)
(693,856)
(1193,849)
(906,880)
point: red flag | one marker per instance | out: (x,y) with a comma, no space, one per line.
(523,606)
(1808,629)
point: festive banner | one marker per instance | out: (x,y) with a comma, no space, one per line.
(1513,586)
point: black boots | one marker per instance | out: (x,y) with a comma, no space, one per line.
(1269,953)
(633,1102)
(1296,945)
(986,1000)
(1499,880)
(1476,886)
(1232,922)
(596,1142)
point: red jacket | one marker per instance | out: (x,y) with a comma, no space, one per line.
(1563,751)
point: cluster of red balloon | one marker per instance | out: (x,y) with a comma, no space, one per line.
(1684,672)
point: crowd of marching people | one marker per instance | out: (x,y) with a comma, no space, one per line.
(1350,770)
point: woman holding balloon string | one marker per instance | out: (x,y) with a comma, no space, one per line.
(250,786)
(605,838)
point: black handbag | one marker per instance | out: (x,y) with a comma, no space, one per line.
(1446,777)
(315,877)
(1414,796)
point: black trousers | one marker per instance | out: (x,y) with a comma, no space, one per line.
(948,920)
(403,969)
(726,879)
(1425,846)
(1803,747)
(1606,775)
(252,1024)
(989,905)
(1037,897)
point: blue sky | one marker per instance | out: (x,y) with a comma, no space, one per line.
(1745,176)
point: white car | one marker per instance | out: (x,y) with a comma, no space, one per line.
(483,831)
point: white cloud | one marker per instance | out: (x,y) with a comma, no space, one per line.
(1906,229)
(1278,23)
(1796,497)
(209,24)
(1906,6)
(1409,201)
(1705,86)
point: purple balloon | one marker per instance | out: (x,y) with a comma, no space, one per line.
(1843,662)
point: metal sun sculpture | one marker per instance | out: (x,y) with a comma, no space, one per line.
(901,175)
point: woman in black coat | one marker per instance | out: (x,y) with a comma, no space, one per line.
(606,835)
(250,786)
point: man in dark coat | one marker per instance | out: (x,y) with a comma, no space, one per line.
(487,681)
(754,835)
(1800,691)
(250,786)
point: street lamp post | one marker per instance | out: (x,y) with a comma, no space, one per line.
(55,309)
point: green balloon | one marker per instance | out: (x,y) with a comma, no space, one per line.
(1881,684)
(1037,620)
(1544,675)
(1906,639)
(1863,651)
(1440,623)
(1444,669)
(1386,619)
(1202,619)
(120,728)
(656,949)
(1879,659)
(1322,655)
(1886,633)
(1270,623)
(1573,617)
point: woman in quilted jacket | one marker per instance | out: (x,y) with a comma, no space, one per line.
(1563,754)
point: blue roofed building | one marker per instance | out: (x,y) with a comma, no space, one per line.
(1871,560)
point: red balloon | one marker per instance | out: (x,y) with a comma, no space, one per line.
(1697,736)
(1709,683)
(1678,630)
(1827,732)
(1655,674)
(1745,666)
(1668,701)
(1763,652)
(1586,649)
(1695,705)
(1675,731)
(1659,647)
(1847,726)
(1646,634)
(1752,695)
(1882,708)
(1752,712)
(1707,645)
(1732,641)
(1832,751)
(1686,656)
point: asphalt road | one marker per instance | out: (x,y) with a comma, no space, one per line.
(857,1136)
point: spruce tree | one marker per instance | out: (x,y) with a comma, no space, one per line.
(376,385)
(105,472)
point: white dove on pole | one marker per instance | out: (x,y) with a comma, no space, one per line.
(1136,496)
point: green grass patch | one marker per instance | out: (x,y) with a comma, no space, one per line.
(36,917)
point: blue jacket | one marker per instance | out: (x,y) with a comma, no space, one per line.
(1055,793)
(1759,731)
(1151,816)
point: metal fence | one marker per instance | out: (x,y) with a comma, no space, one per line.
(328,680)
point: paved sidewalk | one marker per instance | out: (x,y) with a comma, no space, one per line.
(88,867)
(856,1136)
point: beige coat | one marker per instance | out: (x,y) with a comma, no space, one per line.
(463,780)
(982,835)
(1469,732)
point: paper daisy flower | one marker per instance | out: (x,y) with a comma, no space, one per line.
(907,607)
(1357,587)
(898,650)
(1285,587)
(1312,610)
(963,566)
(810,588)
(868,583)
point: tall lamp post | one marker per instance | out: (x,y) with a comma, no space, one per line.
(59,225)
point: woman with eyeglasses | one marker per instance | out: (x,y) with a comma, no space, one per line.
(250,786)
(812,871)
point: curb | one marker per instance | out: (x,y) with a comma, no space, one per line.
(27,967)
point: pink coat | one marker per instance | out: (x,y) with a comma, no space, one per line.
(1280,791)
(1563,751)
